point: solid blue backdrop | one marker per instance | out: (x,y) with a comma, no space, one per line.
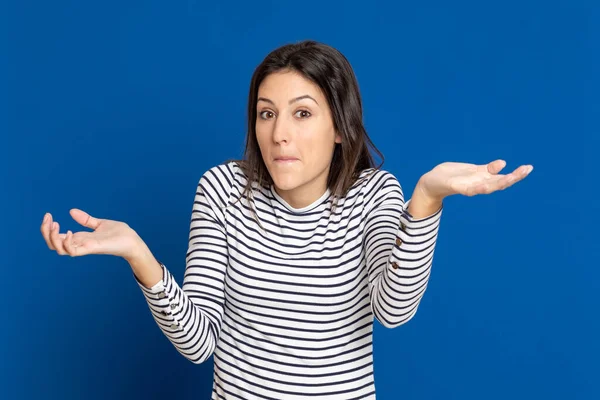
(118,108)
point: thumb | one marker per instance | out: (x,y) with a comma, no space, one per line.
(85,219)
(496,166)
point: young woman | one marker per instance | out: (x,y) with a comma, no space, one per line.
(295,250)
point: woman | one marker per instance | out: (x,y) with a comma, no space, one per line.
(296,249)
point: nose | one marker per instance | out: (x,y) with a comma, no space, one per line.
(281,131)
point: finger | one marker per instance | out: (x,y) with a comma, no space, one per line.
(498,182)
(45,228)
(56,240)
(524,170)
(84,218)
(70,247)
(487,188)
(505,181)
(520,173)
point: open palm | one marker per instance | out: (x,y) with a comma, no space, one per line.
(108,236)
(451,178)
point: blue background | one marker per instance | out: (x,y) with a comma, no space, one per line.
(118,108)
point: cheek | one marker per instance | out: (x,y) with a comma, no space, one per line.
(317,148)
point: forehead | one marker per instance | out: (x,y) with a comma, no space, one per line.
(287,84)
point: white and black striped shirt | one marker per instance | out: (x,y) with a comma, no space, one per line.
(288,310)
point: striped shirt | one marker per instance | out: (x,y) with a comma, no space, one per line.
(287,306)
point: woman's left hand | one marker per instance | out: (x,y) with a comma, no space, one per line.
(451,178)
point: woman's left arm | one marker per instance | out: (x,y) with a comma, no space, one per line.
(399,259)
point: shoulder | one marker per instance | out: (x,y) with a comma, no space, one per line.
(217,183)
(377,186)
(373,181)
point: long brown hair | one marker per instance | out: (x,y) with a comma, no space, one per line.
(330,70)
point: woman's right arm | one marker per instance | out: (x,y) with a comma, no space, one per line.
(191,315)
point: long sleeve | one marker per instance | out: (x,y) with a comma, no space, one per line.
(399,252)
(190,316)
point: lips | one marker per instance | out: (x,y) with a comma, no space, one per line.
(286,159)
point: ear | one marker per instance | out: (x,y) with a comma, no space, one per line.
(338,138)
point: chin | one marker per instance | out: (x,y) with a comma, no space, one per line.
(285,185)
(286,182)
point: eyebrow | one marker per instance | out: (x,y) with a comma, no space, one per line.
(291,101)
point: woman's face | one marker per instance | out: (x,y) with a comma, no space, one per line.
(295,133)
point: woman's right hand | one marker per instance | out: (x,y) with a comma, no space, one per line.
(108,237)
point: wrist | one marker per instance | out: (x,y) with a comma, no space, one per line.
(137,249)
(145,266)
(426,197)
(139,256)
(422,204)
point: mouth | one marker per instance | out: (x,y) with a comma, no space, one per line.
(285,160)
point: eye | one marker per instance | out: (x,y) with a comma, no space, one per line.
(305,115)
(261,114)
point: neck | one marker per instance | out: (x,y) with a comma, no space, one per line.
(301,197)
